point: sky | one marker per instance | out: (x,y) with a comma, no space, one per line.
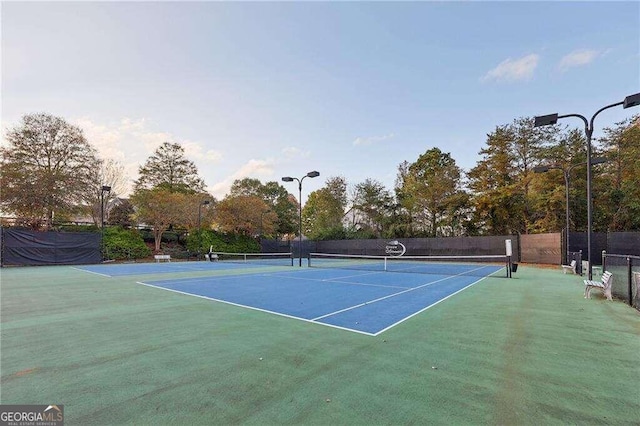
(271,89)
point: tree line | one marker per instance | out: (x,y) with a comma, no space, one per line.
(50,172)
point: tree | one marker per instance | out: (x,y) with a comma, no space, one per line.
(168,168)
(47,169)
(372,206)
(619,188)
(276,198)
(429,188)
(121,213)
(567,152)
(245,214)
(194,211)
(158,208)
(497,198)
(324,210)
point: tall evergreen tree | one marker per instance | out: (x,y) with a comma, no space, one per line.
(372,206)
(498,200)
(168,168)
(618,191)
(429,188)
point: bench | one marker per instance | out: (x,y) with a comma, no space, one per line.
(603,285)
(571,268)
(161,257)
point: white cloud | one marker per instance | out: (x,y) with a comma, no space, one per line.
(131,142)
(293,152)
(372,139)
(194,150)
(252,169)
(578,58)
(513,69)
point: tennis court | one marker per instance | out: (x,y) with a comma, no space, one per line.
(114,351)
(365,302)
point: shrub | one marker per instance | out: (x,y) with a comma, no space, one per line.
(120,244)
(232,243)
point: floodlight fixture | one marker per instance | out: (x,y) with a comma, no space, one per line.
(631,101)
(541,169)
(546,120)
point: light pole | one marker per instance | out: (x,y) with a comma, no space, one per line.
(550,119)
(203,203)
(107,189)
(291,179)
(104,189)
(565,172)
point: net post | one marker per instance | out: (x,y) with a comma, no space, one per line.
(630,280)
(509,271)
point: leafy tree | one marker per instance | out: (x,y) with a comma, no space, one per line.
(619,189)
(567,154)
(47,169)
(158,208)
(277,199)
(429,188)
(527,145)
(194,210)
(372,206)
(167,168)
(245,214)
(498,200)
(324,210)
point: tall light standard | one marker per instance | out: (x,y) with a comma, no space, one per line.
(566,171)
(104,189)
(203,203)
(291,179)
(550,119)
(107,189)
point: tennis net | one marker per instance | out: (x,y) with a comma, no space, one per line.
(480,266)
(279,259)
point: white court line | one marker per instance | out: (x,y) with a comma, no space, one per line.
(91,272)
(255,309)
(383,298)
(427,307)
(337,280)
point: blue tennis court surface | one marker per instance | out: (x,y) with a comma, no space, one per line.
(123,269)
(360,301)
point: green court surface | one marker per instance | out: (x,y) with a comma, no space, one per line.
(523,351)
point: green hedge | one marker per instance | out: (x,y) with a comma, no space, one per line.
(232,243)
(122,244)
